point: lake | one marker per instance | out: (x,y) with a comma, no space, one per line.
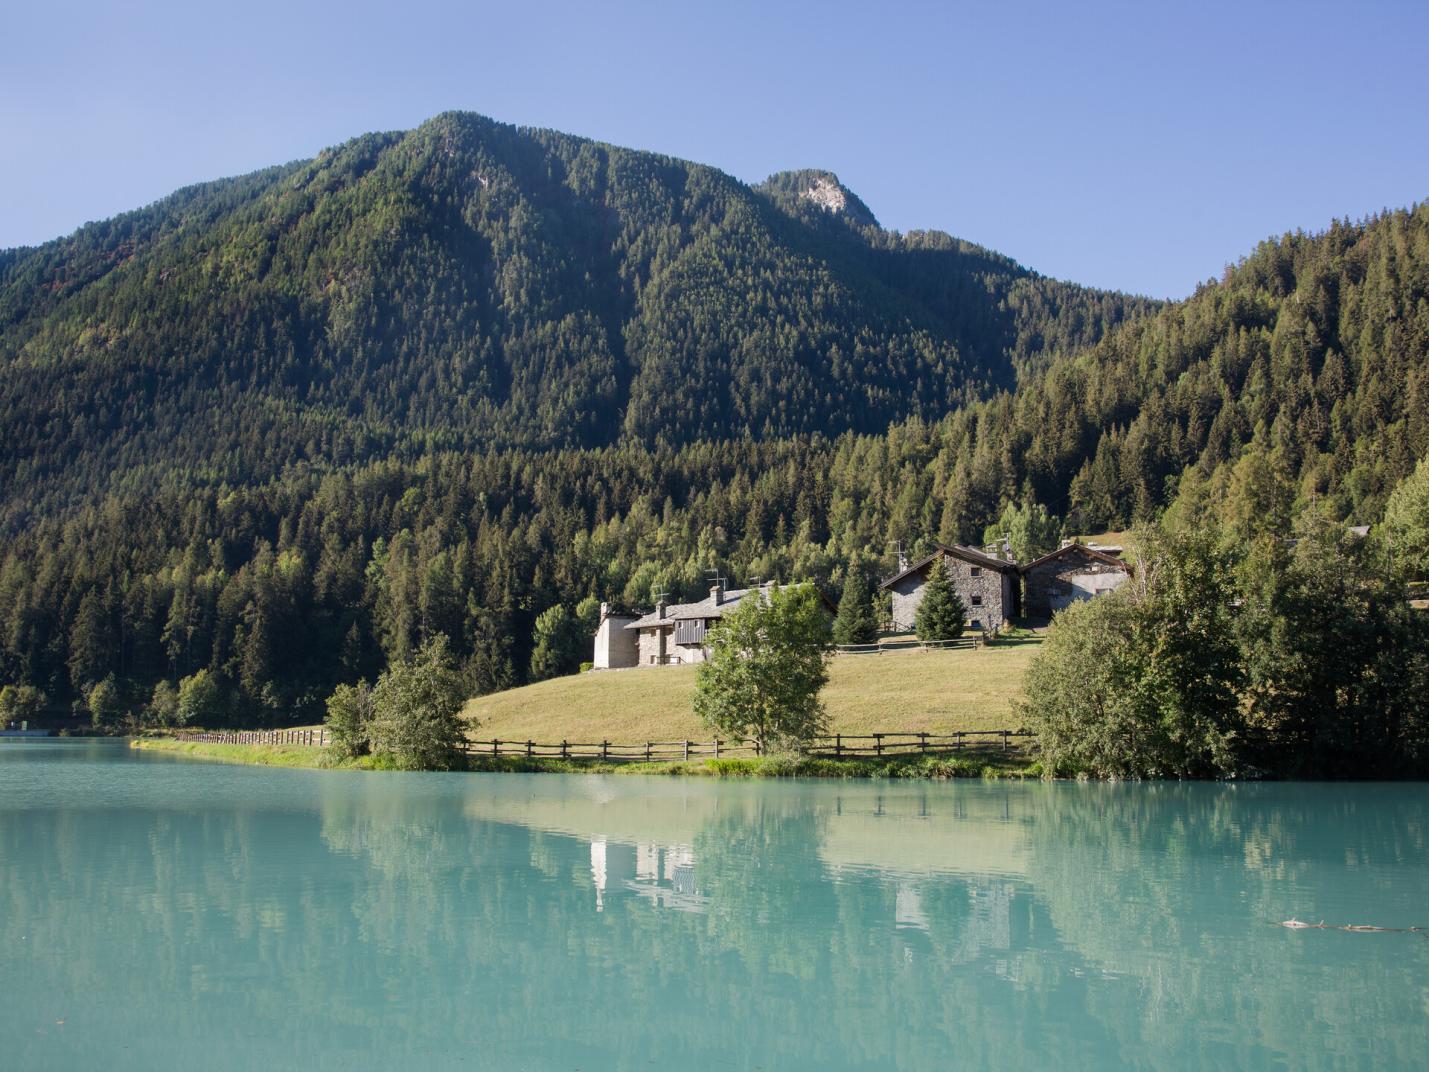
(158,912)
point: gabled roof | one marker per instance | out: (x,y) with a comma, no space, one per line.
(705,608)
(956,550)
(1101,556)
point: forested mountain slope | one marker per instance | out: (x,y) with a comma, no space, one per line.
(376,509)
(471,285)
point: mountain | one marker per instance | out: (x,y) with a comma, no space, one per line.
(281,429)
(470,285)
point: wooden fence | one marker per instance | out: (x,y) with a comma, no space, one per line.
(318,738)
(837,746)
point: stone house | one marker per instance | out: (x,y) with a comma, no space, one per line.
(985,583)
(1071,573)
(672,634)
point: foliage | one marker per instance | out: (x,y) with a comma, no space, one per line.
(349,720)
(940,614)
(416,711)
(106,706)
(1293,657)
(200,700)
(1405,529)
(1029,527)
(594,372)
(560,641)
(163,709)
(768,659)
(1338,663)
(1142,682)
(20,703)
(855,622)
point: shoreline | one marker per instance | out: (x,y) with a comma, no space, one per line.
(930,767)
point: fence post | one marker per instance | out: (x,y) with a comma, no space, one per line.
(878,743)
(604,749)
(495,747)
(838,745)
(647,751)
(1004,742)
(716,748)
(922,742)
(687,751)
(565,749)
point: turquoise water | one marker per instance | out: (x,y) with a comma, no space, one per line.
(159,913)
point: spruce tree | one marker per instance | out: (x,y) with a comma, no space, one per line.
(941,615)
(856,623)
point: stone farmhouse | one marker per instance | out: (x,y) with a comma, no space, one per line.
(671,635)
(1072,572)
(986,583)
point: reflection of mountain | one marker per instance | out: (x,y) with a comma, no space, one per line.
(238,917)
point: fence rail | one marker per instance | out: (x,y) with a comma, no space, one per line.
(837,746)
(318,738)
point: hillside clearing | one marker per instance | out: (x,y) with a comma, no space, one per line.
(934,692)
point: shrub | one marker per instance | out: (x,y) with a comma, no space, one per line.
(349,721)
(768,660)
(416,711)
(20,703)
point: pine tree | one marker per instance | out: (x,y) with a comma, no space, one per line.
(855,623)
(941,615)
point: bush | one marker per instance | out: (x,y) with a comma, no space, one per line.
(768,661)
(349,721)
(416,711)
(1143,682)
(106,706)
(200,700)
(20,703)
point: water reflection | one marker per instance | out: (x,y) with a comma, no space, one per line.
(237,918)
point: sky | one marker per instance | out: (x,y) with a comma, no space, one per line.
(1113,144)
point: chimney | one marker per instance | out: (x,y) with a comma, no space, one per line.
(660,608)
(717,594)
(604,611)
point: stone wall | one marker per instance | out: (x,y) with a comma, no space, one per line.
(1072,576)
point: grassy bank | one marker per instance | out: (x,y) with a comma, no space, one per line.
(908,690)
(260,755)
(989,765)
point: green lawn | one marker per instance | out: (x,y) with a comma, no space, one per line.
(913,691)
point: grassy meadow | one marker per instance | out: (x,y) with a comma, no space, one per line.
(901,690)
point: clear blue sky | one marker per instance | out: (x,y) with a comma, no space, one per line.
(1114,144)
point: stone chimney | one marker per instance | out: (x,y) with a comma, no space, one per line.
(717,594)
(660,608)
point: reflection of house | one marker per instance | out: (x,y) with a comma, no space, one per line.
(986,584)
(1071,573)
(669,635)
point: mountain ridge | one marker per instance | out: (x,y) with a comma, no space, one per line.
(474,285)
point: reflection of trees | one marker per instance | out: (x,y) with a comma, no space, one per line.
(415,919)
(1173,885)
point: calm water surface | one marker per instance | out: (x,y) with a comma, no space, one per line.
(159,913)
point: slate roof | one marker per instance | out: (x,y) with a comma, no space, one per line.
(705,608)
(1101,556)
(957,550)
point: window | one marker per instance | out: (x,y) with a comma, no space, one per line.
(977,601)
(977,571)
(975,623)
